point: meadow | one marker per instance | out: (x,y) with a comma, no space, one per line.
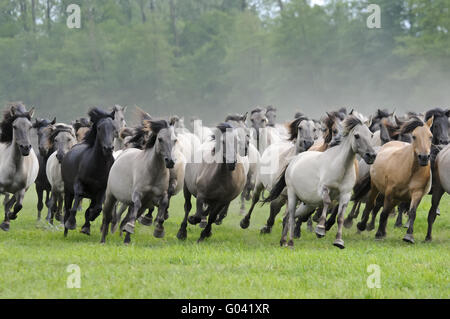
(233,263)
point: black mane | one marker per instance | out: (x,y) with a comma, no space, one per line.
(18,110)
(154,126)
(293,127)
(236,118)
(411,125)
(58,129)
(95,115)
(350,123)
(436,112)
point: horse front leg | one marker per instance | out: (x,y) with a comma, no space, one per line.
(137,204)
(162,208)
(415,201)
(182,232)
(373,193)
(40,203)
(320,228)
(8,203)
(18,205)
(275,208)
(214,211)
(376,209)
(348,222)
(437,192)
(71,222)
(343,203)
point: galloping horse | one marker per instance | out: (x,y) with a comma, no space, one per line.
(216,181)
(62,139)
(44,129)
(319,178)
(19,165)
(401,172)
(145,183)
(85,170)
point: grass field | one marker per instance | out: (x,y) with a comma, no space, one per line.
(233,263)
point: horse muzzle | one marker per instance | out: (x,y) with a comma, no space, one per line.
(231,166)
(25,149)
(423,159)
(307,144)
(169,163)
(108,150)
(369,157)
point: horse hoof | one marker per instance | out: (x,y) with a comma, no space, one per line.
(203,224)
(320,231)
(379,236)
(158,232)
(266,230)
(4,226)
(348,223)
(428,239)
(86,231)
(218,222)
(182,234)
(146,221)
(282,242)
(70,225)
(58,218)
(339,243)
(129,228)
(409,238)
(370,227)
(398,225)
(12,216)
(194,220)
(245,223)
(290,243)
(361,226)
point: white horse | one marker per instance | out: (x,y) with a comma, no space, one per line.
(19,165)
(319,178)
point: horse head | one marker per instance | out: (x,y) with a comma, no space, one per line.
(440,125)
(301,131)
(360,138)
(421,138)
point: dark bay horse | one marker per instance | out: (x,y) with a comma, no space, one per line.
(85,169)
(44,129)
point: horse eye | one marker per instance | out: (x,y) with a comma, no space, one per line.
(414,137)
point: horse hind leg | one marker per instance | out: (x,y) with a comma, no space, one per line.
(275,208)
(373,193)
(320,228)
(332,219)
(206,232)
(222,214)
(339,242)
(348,222)
(415,201)
(159,222)
(40,203)
(376,209)
(108,211)
(402,208)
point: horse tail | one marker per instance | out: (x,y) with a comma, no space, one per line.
(277,188)
(361,188)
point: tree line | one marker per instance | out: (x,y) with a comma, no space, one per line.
(213,57)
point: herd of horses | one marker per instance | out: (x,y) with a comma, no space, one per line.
(313,167)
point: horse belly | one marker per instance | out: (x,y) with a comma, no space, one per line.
(304,178)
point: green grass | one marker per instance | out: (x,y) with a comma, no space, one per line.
(233,263)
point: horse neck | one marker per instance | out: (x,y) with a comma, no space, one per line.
(343,154)
(154,161)
(15,154)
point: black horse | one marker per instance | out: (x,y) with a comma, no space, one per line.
(85,170)
(43,128)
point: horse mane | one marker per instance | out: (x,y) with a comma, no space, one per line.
(393,130)
(293,127)
(13,111)
(96,115)
(411,125)
(153,127)
(257,110)
(436,112)
(58,128)
(382,113)
(350,123)
(174,119)
(236,118)
(270,108)
(298,114)
(328,121)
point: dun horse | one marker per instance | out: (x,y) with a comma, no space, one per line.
(216,181)
(401,173)
(145,183)
(318,179)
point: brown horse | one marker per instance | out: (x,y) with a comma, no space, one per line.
(401,172)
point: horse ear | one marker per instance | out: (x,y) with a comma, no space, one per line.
(351,112)
(244,118)
(31,112)
(54,121)
(369,121)
(447,113)
(112,114)
(124,108)
(430,121)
